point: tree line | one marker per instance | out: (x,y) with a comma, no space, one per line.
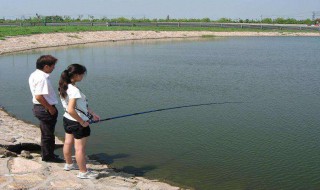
(90,18)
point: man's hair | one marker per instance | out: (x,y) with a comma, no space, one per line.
(45,60)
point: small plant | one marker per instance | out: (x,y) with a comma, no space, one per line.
(208,36)
(36,32)
(74,36)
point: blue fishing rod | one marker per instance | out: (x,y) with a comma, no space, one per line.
(163,109)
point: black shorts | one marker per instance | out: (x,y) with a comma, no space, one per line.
(74,127)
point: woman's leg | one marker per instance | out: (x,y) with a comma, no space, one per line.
(67,148)
(80,145)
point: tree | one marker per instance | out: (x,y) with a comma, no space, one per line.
(120,19)
(53,19)
(205,20)
(79,17)
(267,20)
(280,21)
(91,17)
(225,20)
(104,19)
(291,21)
(67,18)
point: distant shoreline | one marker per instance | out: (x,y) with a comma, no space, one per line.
(30,42)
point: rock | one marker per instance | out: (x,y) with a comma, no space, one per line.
(10,154)
(18,135)
(65,184)
(2,150)
(22,165)
(2,179)
(26,154)
(21,173)
(35,155)
(6,153)
(12,140)
(32,180)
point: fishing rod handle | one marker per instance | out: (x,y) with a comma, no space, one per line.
(91,121)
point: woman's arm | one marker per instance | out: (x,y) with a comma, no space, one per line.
(95,116)
(72,111)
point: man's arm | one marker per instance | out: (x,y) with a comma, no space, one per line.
(52,110)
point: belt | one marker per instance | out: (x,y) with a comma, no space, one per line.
(42,105)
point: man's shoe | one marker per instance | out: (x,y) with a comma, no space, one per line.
(54,160)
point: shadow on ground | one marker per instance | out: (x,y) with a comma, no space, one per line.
(110,159)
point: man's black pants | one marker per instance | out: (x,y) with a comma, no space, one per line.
(47,126)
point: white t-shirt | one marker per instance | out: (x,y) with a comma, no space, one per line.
(40,84)
(81,102)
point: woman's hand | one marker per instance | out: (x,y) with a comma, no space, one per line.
(85,124)
(96,117)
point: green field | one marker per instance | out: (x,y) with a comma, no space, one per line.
(17,30)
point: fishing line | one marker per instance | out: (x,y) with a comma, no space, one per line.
(163,109)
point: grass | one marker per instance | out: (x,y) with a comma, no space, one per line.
(17,30)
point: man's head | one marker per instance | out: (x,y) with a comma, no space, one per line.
(46,63)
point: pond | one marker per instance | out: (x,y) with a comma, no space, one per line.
(261,132)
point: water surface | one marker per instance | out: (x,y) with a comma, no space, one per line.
(268,141)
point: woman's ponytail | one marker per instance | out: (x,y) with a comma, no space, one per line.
(66,76)
(63,83)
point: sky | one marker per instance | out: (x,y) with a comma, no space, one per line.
(213,9)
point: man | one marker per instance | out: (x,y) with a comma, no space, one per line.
(44,100)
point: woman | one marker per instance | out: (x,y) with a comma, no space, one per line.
(75,119)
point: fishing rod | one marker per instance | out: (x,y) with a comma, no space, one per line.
(163,109)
